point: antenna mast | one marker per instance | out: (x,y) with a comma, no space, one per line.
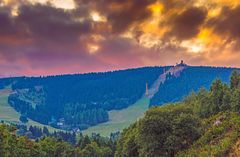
(146,89)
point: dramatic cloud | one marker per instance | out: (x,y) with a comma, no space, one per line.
(42,37)
(187,24)
(51,23)
(228,22)
(123,13)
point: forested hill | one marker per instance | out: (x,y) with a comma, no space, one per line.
(83,100)
(191,79)
(79,100)
(205,123)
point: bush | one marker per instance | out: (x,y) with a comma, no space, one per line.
(23,119)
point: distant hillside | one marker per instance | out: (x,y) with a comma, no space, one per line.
(84,100)
(191,79)
(80,100)
(204,124)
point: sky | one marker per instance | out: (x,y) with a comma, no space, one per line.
(49,37)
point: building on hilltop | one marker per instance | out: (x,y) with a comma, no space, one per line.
(181,63)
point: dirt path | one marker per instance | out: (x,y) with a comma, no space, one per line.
(176,71)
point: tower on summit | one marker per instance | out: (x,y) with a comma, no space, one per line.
(146,93)
(181,63)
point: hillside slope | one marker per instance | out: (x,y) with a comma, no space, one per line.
(191,79)
(219,138)
(80,100)
(120,119)
(206,123)
(173,71)
(85,100)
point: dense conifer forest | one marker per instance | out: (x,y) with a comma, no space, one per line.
(80,100)
(83,100)
(192,79)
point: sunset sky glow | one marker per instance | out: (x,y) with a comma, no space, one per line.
(48,37)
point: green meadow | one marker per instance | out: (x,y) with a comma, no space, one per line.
(120,119)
